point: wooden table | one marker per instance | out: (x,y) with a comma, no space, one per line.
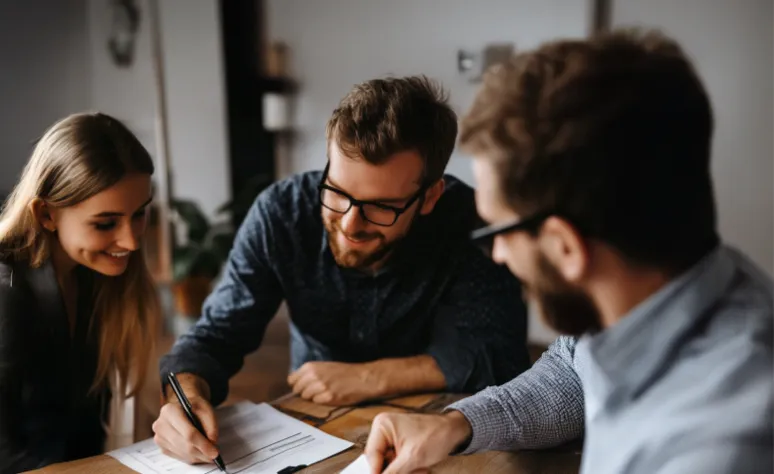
(353,424)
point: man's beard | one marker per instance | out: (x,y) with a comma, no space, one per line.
(564,308)
(349,258)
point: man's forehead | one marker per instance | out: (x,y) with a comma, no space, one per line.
(490,200)
(396,177)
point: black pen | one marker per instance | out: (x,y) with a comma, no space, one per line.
(190,414)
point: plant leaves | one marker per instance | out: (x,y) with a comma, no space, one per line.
(207,264)
(194,218)
(183,261)
(222,243)
(209,245)
(192,261)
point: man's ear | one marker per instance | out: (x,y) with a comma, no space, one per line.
(42,213)
(565,247)
(432,195)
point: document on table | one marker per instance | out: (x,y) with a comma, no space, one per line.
(254,439)
(359,466)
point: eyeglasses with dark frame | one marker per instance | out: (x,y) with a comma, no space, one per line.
(374,212)
(532,224)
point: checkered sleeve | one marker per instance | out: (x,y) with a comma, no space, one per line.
(541,408)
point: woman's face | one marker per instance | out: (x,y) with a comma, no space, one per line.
(101,232)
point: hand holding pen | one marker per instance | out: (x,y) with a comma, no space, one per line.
(188,430)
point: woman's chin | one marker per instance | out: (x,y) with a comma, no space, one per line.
(109,265)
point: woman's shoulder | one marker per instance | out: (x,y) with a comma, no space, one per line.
(11,298)
(13,284)
(15,306)
(6,274)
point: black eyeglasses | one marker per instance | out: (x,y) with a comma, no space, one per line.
(531,224)
(374,212)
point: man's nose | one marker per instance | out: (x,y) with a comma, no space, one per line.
(352,221)
(499,250)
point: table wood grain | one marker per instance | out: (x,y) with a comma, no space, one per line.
(354,423)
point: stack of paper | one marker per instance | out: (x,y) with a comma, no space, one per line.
(255,439)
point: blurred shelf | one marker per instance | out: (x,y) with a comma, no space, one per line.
(282,85)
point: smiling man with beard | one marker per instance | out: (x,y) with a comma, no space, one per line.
(386,293)
(592,163)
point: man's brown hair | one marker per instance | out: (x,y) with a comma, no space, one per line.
(381,117)
(612,133)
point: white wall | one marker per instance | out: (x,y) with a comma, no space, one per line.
(127,93)
(44,74)
(54,61)
(192,62)
(337,43)
(196,107)
(732,45)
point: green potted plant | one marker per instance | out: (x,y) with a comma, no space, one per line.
(198,258)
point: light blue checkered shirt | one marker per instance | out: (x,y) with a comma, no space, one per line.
(683,384)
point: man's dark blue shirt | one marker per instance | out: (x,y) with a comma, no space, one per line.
(438,295)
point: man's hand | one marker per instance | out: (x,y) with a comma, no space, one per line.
(335,383)
(416,442)
(175,434)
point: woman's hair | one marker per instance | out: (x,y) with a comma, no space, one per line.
(77,158)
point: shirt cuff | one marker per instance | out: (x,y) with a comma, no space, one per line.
(197,364)
(456,364)
(456,357)
(483,421)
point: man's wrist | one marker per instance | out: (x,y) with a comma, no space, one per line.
(192,385)
(375,377)
(392,377)
(460,430)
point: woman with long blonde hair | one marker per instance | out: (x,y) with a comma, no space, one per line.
(78,308)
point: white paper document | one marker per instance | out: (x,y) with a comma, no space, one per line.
(359,466)
(254,439)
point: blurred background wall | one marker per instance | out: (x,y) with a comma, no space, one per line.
(45,73)
(335,44)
